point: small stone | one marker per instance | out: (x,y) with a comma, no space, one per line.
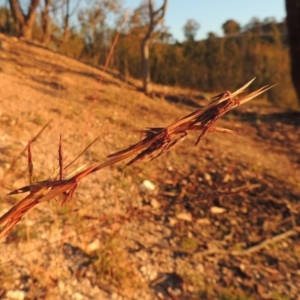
(226,178)
(3,45)
(78,296)
(203,221)
(200,268)
(143,270)
(190,288)
(153,274)
(148,185)
(217,210)
(185,217)
(93,245)
(15,295)
(172,221)
(170,168)
(154,203)
(207,177)
(61,286)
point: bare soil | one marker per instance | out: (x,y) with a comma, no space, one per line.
(222,222)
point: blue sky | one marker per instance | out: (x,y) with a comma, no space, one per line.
(211,14)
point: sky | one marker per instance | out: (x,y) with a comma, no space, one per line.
(211,14)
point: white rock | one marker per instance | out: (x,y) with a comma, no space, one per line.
(148,185)
(15,295)
(217,210)
(185,217)
(93,245)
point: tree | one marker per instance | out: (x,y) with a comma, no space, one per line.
(254,26)
(155,17)
(66,22)
(293,25)
(45,20)
(6,20)
(190,29)
(24,22)
(231,27)
(96,30)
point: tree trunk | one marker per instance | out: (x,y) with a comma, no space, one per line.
(7,18)
(293,25)
(26,31)
(17,14)
(46,23)
(24,23)
(66,23)
(156,17)
(146,67)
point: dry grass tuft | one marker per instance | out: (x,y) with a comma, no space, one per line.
(156,141)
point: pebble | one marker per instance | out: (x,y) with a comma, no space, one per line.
(200,268)
(242,267)
(61,286)
(148,185)
(226,178)
(93,245)
(172,221)
(185,217)
(208,178)
(78,296)
(114,296)
(217,210)
(154,203)
(15,295)
(203,221)
(3,45)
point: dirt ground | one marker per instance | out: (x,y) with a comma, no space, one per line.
(216,221)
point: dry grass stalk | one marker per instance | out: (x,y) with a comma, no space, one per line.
(160,140)
(156,142)
(110,55)
(16,158)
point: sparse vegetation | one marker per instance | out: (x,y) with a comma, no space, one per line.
(215,212)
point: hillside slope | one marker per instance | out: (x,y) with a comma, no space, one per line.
(97,247)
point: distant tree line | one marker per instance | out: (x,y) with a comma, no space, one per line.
(259,48)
